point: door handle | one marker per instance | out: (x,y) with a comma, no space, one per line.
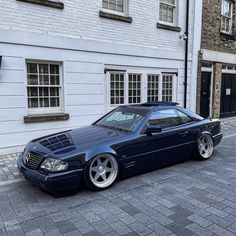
(184,133)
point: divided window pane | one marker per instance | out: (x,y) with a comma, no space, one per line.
(43,85)
(114,5)
(167,11)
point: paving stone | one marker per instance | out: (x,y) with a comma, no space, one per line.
(113,233)
(197,229)
(232,228)
(83,226)
(126,218)
(164,210)
(3,232)
(143,218)
(55,232)
(199,204)
(159,229)
(120,228)
(65,226)
(179,229)
(217,212)
(164,220)
(180,219)
(219,230)
(219,221)
(140,229)
(102,227)
(108,217)
(166,203)
(36,232)
(29,225)
(200,220)
(131,210)
(91,217)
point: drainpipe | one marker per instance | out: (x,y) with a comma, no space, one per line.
(186,54)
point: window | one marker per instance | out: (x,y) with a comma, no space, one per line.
(167,88)
(153,88)
(184,118)
(117,88)
(138,86)
(167,12)
(134,88)
(43,85)
(168,118)
(122,118)
(115,6)
(226,16)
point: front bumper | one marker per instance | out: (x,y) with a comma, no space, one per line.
(52,182)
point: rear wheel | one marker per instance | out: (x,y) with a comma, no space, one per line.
(205,147)
(101,172)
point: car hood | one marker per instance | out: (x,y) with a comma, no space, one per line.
(71,140)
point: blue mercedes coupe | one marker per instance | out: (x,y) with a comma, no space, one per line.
(127,141)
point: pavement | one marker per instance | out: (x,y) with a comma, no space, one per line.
(192,198)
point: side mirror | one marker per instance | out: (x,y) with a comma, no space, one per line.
(152,129)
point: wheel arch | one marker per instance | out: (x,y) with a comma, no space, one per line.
(99,151)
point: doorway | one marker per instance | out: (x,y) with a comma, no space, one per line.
(228,95)
(205,94)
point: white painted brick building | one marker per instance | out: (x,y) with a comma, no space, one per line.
(79,61)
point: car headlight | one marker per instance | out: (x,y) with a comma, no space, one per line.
(54,165)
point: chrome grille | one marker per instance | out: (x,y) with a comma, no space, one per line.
(33,161)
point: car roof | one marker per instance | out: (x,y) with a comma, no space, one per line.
(152,106)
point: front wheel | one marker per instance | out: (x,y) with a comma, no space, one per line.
(101,172)
(205,147)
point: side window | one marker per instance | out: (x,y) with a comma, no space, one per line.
(184,118)
(168,118)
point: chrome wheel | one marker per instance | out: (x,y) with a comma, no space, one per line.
(103,171)
(205,146)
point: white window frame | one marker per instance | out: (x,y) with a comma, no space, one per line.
(144,84)
(45,110)
(158,86)
(136,96)
(124,13)
(175,13)
(225,16)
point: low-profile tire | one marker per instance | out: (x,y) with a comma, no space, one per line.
(101,172)
(205,147)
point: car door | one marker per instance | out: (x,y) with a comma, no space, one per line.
(172,145)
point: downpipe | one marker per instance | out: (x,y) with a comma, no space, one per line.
(186,54)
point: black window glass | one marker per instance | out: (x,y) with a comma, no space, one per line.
(168,118)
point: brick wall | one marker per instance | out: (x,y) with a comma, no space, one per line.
(80,19)
(212,38)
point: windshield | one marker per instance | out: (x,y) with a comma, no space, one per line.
(125,119)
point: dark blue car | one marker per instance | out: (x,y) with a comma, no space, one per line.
(125,142)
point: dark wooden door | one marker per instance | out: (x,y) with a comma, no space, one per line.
(205,94)
(228,95)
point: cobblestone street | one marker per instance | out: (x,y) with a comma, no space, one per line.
(192,198)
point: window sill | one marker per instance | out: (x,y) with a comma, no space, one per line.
(168,27)
(228,35)
(115,17)
(48,3)
(46,117)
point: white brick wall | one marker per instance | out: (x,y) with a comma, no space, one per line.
(137,46)
(81,19)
